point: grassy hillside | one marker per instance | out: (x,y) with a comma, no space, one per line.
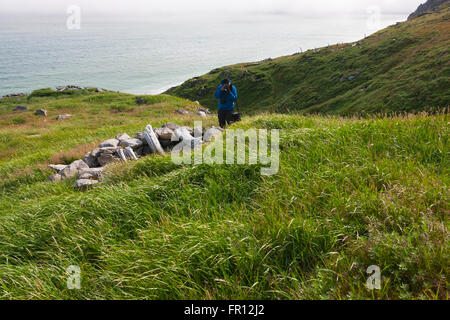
(350,193)
(405,67)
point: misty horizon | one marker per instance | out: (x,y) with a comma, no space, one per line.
(202,7)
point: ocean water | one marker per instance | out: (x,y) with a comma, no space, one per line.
(149,55)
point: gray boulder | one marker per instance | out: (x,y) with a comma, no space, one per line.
(202,114)
(55,178)
(133,143)
(91,159)
(185,139)
(107,155)
(20,108)
(84,184)
(123,136)
(164,133)
(72,169)
(171,126)
(79,164)
(211,133)
(182,134)
(141,136)
(188,129)
(199,132)
(69,172)
(106,158)
(41,112)
(111,143)
(63,116)
(93,173)
(165,136)
(153,141)
(57,167)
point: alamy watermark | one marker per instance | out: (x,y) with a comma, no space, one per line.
(374,281)
(74,20)
(373,22)
(74,279)
(263,148)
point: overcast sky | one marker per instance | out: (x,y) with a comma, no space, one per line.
(190,6)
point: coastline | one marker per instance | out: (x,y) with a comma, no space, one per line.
(150,92)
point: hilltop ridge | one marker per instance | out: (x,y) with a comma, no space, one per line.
(426,7)
(402,68)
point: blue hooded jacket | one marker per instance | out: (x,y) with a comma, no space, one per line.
(230,98)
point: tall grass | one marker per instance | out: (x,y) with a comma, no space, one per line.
(350,193)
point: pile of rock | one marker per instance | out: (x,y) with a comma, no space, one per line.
(70,87)
(41,112)
(202,112)
(13,95)
(86,176)
(123,148)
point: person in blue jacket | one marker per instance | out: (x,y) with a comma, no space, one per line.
(227,95)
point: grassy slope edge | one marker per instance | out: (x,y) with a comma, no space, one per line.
(403,68)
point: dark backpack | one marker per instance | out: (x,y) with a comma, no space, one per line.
(223,97)
(236,117)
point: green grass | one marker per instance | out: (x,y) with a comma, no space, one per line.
(403,68)
(350,193)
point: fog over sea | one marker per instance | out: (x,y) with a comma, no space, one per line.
(147,55)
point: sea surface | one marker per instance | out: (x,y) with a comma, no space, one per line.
(148,55)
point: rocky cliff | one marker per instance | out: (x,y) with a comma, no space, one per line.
(426,7)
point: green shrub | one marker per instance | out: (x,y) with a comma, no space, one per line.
(143,100)
(121,107)
(48,92)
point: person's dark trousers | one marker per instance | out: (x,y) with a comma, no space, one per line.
(225,117)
